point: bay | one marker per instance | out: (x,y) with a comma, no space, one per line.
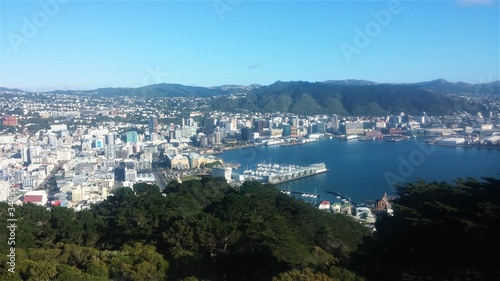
(364,170)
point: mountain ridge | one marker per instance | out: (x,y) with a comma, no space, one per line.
(330,98)
(170,89)
(342,97)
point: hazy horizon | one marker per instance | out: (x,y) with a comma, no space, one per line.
(236,85)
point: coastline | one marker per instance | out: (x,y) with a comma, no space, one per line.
(466,145)
(359,170)
(238,147)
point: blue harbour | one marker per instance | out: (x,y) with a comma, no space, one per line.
(363,171)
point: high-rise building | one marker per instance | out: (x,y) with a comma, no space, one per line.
(217,138)
(188,132)
(335,122)
(353,128)
(53,140)
(25,154)
(153,137)
(246,133)
(287,130)
(211,139)
(209,125)
(130,175)
(178,133)
(203,141)
(258,126)
(98,143)
(110,139)
(110,151)
(153,124)
(132,137)
(188,122)
(321,128)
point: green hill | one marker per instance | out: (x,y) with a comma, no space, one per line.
(439,231)
(330,98)
(207,230)
(202,230)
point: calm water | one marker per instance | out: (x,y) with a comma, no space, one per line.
(364,170)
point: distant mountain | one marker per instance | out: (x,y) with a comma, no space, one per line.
(438,86)
(344,99)
(10,90)
(163,90)
(178,90)
(235,87)
(351,82)
(445,87)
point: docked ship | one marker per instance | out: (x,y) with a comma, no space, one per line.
(349,137)
(274,142)
(274,173)
(299,142)
(397,138)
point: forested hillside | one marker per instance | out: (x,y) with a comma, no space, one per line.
(327,98)
(439,231)
(207,230)
(201,230)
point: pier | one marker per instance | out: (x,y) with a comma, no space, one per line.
(276,174)
(342,197)
(303,194)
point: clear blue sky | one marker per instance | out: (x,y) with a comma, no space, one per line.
(92,44)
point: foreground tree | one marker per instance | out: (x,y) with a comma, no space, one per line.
(439,231)
(204,230)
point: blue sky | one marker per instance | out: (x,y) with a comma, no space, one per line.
(92,44)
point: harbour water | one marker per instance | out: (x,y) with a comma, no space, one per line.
(364,170)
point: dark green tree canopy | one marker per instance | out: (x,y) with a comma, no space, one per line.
(197,230)
(439,231)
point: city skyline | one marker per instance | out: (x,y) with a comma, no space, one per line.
(87,45)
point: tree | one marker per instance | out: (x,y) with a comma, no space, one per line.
(146,189)
(303,275)
(206,229)
(439,231)
(64,222)
(138,262)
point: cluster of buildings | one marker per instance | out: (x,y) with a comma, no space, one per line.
(79,148)
(224,129)
(79,167)
(365,214)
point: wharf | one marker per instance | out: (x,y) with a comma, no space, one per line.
(342,197)
(276,174)
(303,194)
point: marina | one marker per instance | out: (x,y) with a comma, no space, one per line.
(342,197)
(359,168)
(301,193)
(275,173)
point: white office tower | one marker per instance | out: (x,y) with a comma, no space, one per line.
(110,139)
